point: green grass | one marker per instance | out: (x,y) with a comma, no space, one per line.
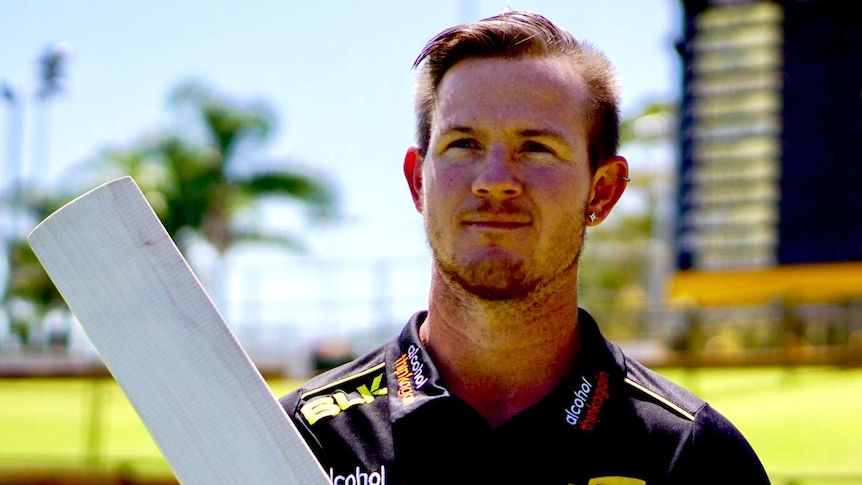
(801,422)
(68,422)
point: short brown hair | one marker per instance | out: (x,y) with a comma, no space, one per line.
(516,34)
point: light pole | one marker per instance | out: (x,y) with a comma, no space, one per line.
(11,189)
(11,173)
(13,199)
(52,70)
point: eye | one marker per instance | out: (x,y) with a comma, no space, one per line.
(464,144)
(536,147)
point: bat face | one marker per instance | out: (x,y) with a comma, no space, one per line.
(201,398)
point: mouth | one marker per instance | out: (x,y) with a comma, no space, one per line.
(494,225)
(497,222)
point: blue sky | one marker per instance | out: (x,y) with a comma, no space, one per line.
(337,73)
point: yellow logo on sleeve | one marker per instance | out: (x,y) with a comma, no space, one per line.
(615,481)
(332,404)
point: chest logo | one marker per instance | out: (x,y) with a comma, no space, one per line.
(332,404)
(409,372)
(590,397)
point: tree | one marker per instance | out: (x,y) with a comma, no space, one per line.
(29,294)
(625,257)
(199,178)
(200,181)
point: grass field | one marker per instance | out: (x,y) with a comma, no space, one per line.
(803,422)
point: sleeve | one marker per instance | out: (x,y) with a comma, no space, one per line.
(290,403)
(717,454)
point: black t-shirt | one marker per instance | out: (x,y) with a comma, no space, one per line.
(387,418)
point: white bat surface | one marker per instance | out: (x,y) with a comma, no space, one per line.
(205,404)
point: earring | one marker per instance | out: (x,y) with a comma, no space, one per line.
(593,217)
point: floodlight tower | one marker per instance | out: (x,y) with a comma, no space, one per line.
(768,185)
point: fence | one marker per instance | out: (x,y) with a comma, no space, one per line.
(285,311)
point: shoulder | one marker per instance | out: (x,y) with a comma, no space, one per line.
(330,392)
(658,395)
(710,448)
(656,400)
(347,401)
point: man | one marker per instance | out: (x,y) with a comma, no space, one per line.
(504,379)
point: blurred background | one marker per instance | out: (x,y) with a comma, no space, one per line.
(269,138)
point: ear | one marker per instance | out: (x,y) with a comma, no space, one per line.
(413,173)
(609,183)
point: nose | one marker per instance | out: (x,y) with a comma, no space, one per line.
(496,178)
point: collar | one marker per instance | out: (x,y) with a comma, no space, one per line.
(414,380)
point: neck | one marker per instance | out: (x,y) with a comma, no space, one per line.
(503,356)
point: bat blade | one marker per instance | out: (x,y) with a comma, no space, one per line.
(199,395)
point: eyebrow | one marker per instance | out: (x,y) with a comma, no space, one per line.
(458,129)
(543,133)
(525,133)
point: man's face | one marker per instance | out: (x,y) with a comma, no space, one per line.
(506,179)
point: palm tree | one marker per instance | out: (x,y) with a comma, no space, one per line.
(622,259)
(198,178)
(29,294)
(200,182)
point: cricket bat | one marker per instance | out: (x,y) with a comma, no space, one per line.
(201,398)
